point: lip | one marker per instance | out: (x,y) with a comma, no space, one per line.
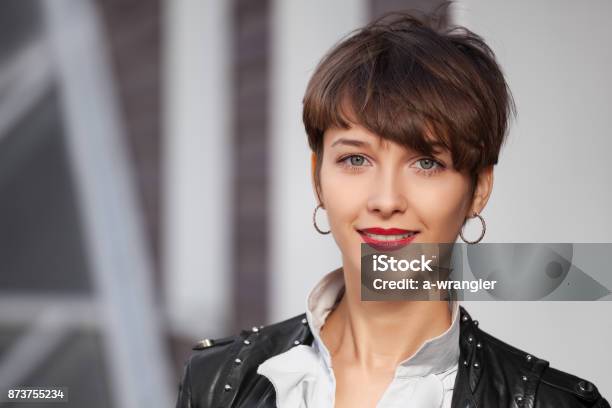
(386,245)
(386,231)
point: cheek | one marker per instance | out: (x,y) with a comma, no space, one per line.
(442,204)
(343,202)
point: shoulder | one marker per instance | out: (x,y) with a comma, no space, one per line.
(557,386)
(199,377)
(552,387)
(213,353)
(222,365)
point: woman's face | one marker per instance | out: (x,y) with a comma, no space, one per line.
(369,182)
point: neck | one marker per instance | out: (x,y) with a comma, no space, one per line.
(380,335)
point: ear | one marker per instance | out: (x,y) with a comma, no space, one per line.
(482,192)
(313,165)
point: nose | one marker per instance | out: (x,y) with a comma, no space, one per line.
(387,195)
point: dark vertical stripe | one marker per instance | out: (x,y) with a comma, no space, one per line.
(251,57)
(380,7)
(133,31)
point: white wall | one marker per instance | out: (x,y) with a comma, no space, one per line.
(553,183)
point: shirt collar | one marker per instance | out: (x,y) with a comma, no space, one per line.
(435,355)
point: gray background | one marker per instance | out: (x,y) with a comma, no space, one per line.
(554,181)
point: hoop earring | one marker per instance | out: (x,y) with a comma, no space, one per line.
(484,229)
(314,221)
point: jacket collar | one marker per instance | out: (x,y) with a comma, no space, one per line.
(490,372)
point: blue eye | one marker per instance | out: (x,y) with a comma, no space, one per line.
(354,163)
(427,164)
(356,160)
(353,160)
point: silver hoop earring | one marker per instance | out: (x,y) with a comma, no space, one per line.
(314,221)
(484,229)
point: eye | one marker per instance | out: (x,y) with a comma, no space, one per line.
(354,161)
(427,164)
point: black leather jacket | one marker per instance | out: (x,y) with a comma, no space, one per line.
(223,372)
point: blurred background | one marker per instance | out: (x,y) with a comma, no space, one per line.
(154,178)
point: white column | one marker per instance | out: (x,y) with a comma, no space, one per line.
(303,32)
(197,179)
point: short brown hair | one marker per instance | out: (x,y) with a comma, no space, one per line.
(407,80)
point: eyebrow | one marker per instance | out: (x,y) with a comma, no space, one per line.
(350,142)
(359,143)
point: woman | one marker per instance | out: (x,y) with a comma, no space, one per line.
(405,123)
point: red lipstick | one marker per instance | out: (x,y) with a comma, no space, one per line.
(387,239)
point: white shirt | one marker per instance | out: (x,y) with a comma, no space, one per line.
(303,376)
